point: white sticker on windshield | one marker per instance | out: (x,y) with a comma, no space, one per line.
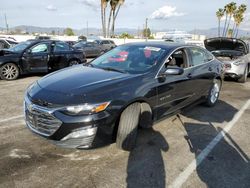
(152,48)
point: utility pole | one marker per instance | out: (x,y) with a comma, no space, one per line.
(87,29)
(146,32)
(6,23)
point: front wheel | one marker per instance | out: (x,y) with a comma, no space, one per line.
(214,93)
(128,125)
(9,71)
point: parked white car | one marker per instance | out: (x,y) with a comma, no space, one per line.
(234,53)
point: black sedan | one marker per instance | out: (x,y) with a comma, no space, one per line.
(128,87)
(37,56)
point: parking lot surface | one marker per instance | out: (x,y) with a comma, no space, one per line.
(206,147)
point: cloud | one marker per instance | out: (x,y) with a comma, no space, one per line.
(51,8)
(246,22)
(165,12)
(94,4)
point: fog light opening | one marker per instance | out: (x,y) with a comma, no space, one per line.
(86,132)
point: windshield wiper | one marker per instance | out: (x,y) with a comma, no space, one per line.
(90,65)
(112,69)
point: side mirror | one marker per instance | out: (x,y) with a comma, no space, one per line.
(28,51)
(173,71)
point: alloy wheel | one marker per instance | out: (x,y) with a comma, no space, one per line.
(10,71)
(215,92)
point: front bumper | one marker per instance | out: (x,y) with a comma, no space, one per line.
(234,71)
(68,131)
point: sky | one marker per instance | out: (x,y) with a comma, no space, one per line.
(162,14)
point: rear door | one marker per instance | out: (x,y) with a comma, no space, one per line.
(37,57)
(59,55)
(201,69)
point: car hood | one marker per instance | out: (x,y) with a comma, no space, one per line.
(222,43)
(76,78)
(6,52)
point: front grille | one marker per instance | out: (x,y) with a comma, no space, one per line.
(40,119)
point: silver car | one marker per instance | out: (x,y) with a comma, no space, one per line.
(234,53)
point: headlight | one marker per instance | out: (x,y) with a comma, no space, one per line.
(85,108)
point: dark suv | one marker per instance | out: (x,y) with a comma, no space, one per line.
(130,86)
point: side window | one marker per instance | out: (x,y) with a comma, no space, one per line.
(105,42)
(61,46)
(177,59)
(198,56)
(209,56)
(40,48)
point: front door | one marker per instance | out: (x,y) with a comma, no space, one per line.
(175,91)
(36,58)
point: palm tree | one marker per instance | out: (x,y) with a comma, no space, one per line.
(219,14)
(113,5)
(103,14)
(226,10)
(238,21)
(230,11)
(119,4)
(239,17)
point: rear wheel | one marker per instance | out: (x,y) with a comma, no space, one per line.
(243,79)
(213,94)
(73,62)
(128,125)
(9,71)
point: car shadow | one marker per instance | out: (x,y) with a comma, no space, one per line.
(145,166)
(226,165)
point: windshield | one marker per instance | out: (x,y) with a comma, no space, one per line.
(20,47)
(133,59)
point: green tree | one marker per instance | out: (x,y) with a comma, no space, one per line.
(238,18)
(69,32)
(53,32)
(219,14)
(126,35)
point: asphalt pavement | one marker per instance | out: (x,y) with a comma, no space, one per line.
(203,147)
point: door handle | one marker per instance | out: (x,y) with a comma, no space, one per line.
(210,69)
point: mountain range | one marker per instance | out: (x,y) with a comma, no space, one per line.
(212,32)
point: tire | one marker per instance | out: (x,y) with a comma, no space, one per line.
(128,125)
(9,71)
(73,62)
(243,79)
(146,120)
(213,94)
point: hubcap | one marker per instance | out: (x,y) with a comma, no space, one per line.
(9,71)
(73,63)
(215,93)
